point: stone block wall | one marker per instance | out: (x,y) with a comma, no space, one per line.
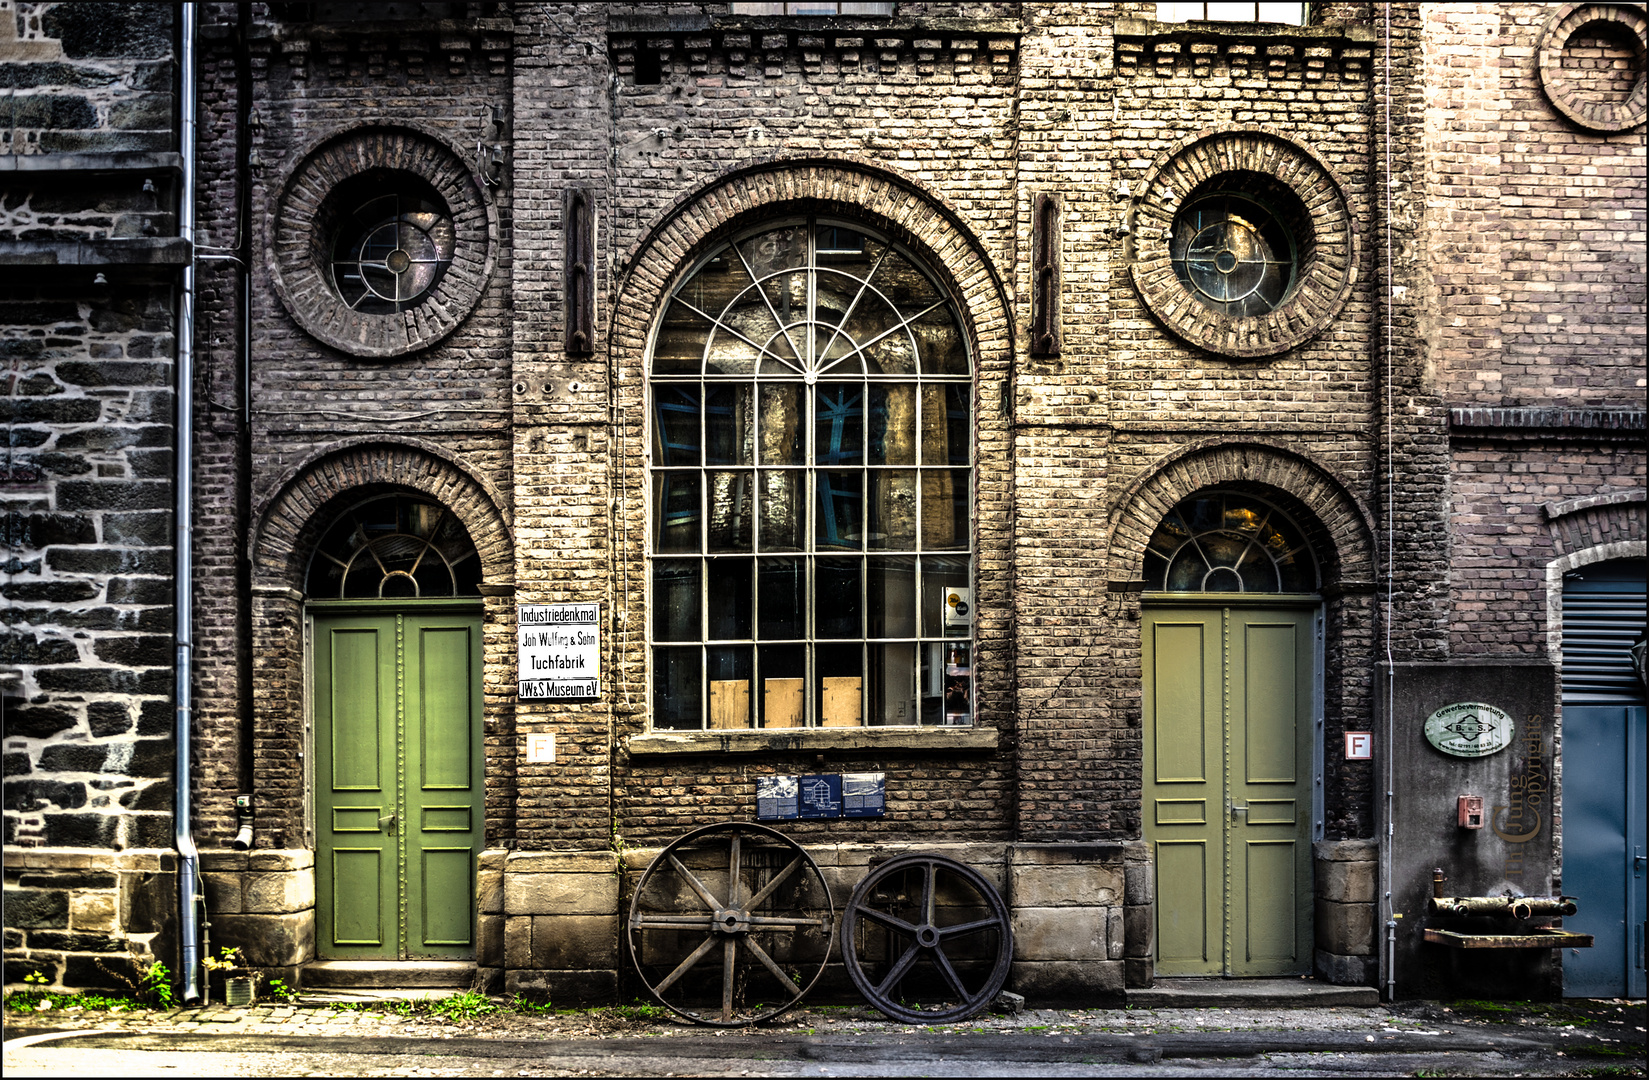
(88,919)
(1347,874)
(262,903)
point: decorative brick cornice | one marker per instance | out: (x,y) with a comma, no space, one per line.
(1473,418)
(1146,48)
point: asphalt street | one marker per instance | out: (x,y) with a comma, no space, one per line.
(1408,1040)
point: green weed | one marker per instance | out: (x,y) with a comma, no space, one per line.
(283,993)
(461,1007)
(157,986)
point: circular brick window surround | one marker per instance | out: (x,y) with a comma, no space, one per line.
(1592,65)
(1242,242)
(382,241)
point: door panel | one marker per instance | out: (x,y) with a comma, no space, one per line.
(1227,706)
(1603,746)
(1183,785)
(397,700)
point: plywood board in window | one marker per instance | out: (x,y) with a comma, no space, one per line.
(783,707)
(843,704)
(730,703)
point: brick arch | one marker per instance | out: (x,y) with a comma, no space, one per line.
(290,523)
(896,204)
(1336,526)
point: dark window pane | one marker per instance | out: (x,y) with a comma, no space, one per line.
(729,425)
(781,424)
(892,510)
(780,598)
(944,508)
(841,510)
(679,347)
(676,685)
(730,594)
(676,595)
(892,425)
(676,512)
(890,597)
(732,510)
(893,684)
(675,424)
(839,424)
(781,508)
(837,598)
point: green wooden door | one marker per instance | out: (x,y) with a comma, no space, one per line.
(398,780)
(1228,754)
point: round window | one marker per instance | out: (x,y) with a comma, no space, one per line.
(390,251)
(1233,255)
(382,242)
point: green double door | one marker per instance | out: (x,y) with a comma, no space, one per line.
(396,699)
(1229,740)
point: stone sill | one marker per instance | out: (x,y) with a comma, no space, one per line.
(134,251)
(813,740)
(93,164)
(1151,30)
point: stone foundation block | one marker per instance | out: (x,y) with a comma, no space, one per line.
(564,988)
(1062,933)
(1345,929)
(1043,983)
(489,891)
(489,941)
(93,911)
(267,941)
(1139,931)
(1347,970)
(1066,886)
(277,892)
(518,942)
(1139,973)
(568,942)
(552,893)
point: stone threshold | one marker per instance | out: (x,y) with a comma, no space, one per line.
(388,974)
(1249,994)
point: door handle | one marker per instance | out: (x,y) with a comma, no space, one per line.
(1235,810)
(387,823)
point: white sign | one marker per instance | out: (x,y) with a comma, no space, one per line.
(1359,745)
(541,748)
(560,652)
(1469,729)
(958,608)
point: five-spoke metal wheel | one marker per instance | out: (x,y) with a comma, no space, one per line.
(731,925)
(927,939)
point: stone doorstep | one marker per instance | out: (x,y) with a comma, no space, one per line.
(388,974)
(1249,994)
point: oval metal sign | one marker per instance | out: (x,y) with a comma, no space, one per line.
(1469,729)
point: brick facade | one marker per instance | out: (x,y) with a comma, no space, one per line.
(1448,403)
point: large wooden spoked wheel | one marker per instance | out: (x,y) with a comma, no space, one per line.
(731,925)
(927,939)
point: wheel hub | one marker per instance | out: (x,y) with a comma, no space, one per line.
(730,921)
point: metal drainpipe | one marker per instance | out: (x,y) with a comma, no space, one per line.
(182,820)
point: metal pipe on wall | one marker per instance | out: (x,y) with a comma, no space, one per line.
(183,600)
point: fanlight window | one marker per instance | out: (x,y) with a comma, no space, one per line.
(395,547)
(1228,543)
(812,451)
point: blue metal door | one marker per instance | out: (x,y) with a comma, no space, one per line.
(1603,779)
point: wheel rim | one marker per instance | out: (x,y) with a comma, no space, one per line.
(739,896)
(927,939)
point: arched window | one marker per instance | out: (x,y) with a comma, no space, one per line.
(394,546)
(1230,543)
(811,401)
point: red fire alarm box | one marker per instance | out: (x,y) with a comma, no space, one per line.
(1471,811)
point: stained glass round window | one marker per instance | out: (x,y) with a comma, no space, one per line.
(1229,543)
(1233,254)
(396,547)
(391,251)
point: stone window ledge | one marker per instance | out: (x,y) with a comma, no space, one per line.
(812,740)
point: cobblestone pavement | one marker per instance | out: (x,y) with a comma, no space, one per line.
(360,1035)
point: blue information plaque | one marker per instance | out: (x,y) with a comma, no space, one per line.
(864,794)
(776,798)
(819,796)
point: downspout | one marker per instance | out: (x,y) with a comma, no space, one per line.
(183,603)
(1386,840)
